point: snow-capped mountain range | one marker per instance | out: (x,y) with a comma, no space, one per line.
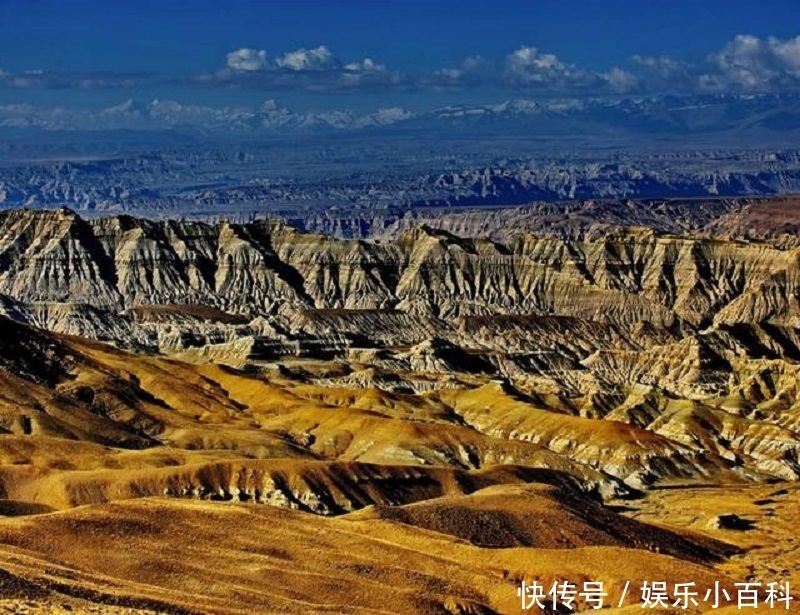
(160,114)
(660,115)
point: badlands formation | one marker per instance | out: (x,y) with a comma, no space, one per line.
(242,418)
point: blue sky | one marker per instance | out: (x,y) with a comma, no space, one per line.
(328,54)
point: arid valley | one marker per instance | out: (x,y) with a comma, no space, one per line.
(239,418)
(403,308)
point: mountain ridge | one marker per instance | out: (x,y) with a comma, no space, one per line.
(542,398)
(653,115)
(125,262)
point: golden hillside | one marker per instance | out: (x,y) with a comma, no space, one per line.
(246,419)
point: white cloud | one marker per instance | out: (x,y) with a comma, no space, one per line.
(314,69)
(366,65)
(527,66)
(753,63)
(788,52)
(662,67)
(473,70)
(620,80)
(745,64)
(319,58)
(451,74)
(247,60)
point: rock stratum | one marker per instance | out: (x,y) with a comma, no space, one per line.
(284,422)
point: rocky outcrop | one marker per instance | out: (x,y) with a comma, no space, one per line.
(690,343)
(268,269)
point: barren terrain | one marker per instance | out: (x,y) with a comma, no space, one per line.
(242,418)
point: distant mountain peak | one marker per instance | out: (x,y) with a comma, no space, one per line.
(130,107)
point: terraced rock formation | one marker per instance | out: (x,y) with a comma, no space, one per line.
(690,340)
(422,400)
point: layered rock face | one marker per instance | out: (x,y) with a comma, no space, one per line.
(268,269)
(645,356)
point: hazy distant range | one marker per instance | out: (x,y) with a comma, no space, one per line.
(164,159)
